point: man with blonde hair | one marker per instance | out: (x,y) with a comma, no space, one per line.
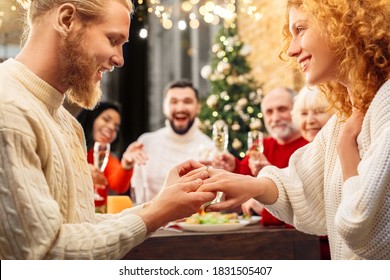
(47,209)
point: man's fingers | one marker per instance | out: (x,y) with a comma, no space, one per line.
(209,187)
(187,166)
(203,197)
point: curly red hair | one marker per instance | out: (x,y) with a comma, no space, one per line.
(358,33)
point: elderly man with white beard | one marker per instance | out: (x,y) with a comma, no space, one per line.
(285,138)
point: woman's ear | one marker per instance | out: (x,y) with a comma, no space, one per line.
(65,19)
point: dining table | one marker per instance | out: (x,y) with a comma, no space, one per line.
(250,242)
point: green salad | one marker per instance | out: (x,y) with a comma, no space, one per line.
(213,218)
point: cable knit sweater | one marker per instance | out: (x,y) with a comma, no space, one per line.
(355,214)
(46,207)
(166,149)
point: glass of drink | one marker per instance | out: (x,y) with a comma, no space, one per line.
(101,153)
(255,144)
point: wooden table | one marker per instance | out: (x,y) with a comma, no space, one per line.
(250,242)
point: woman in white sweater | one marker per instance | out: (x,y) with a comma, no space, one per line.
(339,184)
(46,201)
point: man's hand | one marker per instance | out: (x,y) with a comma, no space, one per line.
(134,154)
(189,167)
(178,197)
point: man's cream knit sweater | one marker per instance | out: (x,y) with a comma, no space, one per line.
(46,207)
(355,214)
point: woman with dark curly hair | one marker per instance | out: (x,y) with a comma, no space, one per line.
(339,184)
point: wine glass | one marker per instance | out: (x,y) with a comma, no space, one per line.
(220,136)
(101,152)
(221,141)
(255,144)
(255,141)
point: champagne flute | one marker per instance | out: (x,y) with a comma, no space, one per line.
(101,152)
(220,136)
(221,141)
(255,141)
(255,144)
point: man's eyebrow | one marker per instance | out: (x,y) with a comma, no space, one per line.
(120,35)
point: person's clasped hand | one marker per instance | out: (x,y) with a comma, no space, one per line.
(179,197)
(236,190)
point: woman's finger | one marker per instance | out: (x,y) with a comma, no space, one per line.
(217,207)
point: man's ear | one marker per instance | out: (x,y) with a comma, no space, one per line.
(165,108)
(65,19)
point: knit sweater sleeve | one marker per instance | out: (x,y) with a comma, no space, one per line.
(363,217)
(36,224)
(300,186)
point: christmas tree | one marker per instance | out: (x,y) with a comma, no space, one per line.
(234,95)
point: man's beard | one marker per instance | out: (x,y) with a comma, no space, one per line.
(79,69)
(181,131)
(282,134)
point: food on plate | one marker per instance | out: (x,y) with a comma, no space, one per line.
(213,218)
(250,219)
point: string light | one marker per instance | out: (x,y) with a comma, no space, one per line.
(194,11)
(10,28)
(143,33)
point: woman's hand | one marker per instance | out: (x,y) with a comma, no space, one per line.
(98,178)
(134,154)
(236,188)
(347,147)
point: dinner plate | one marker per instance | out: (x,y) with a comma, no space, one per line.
(212,227)
(252,220)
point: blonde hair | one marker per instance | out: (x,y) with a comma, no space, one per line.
(358,33)
(90,10)
(310,98)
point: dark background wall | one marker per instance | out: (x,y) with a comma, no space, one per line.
(132,87)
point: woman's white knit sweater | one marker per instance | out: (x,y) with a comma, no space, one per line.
(46,208)
(355,214)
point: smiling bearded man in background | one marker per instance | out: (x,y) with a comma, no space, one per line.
(178,141)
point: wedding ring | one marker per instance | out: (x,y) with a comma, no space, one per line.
(207,167)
